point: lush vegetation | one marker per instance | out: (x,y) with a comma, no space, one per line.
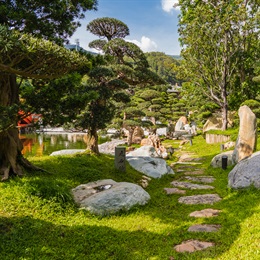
(221,50)
(40,221)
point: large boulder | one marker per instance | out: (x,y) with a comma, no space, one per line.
(246,173)
(180,123)
(146,150)
(215,122)
(137,136)
(155,141)
(247,136)
(106,197)
(109,147)
(217,160)
(152,167)
(67,152)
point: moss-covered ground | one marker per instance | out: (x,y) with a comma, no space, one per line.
(38,219)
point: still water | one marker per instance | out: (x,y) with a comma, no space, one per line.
(44,144)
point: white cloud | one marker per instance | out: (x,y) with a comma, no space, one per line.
(146,44)
(169,5)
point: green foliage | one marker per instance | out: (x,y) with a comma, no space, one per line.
(54,20)
(22,54)
(164,65)
(220,50)
(109,28)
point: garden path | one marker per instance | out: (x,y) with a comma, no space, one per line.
(192,178)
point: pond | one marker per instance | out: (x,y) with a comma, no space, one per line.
(46,143)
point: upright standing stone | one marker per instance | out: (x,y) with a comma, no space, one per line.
(120,158)
(246,141)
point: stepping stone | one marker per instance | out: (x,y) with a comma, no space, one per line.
(187,163)
(196,172)
(200,199)
(174,191)
(204,228)
(204,179)
(187,167)
(192,246)
(191,186)
(188,158)
(205,213)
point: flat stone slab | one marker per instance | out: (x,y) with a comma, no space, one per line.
(204,228)
(205,213)
(174,191)
(203,179)
(187,163)
(196,172)
(67,152)
(191,186)
(188,158)
(200,199)
(191,246)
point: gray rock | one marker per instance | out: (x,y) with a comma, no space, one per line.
(107,197)
(174,191)
(205,213)
(246,173)
(67,152)
(191,186)
(203,179)
(146,150)
(200,199)
(247,136)
(109,147)
(216,162)
(162,131)
(191,246)
(204,228)
(152,167)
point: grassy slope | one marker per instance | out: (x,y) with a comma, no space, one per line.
(38,219)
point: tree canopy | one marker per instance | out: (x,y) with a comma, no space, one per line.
(219,46)
(108,28)
(55,20)
(29,57)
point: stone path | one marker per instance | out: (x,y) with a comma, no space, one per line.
(204,179)
(193,179)
(200,199)
(192,246)
(192,186)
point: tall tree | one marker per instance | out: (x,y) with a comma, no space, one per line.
(51,19)
(125,66)
(217,37)
(28,57)
(22,55)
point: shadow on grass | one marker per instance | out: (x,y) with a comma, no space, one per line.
(28,238)
(103,242)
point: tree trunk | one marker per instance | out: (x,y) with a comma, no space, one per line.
(11,159)
(92,140)
(130,135)
(224,109)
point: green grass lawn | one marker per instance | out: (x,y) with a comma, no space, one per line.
(38,219)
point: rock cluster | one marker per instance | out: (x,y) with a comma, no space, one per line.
(105,197)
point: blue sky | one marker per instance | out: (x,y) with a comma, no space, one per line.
(153,24)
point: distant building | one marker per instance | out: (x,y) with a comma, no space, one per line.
(77,48)
(74,47)
(174,89)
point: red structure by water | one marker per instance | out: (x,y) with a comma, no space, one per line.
(27,120)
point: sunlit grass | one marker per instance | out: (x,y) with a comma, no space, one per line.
(39,220)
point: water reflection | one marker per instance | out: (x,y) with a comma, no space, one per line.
(45,144)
